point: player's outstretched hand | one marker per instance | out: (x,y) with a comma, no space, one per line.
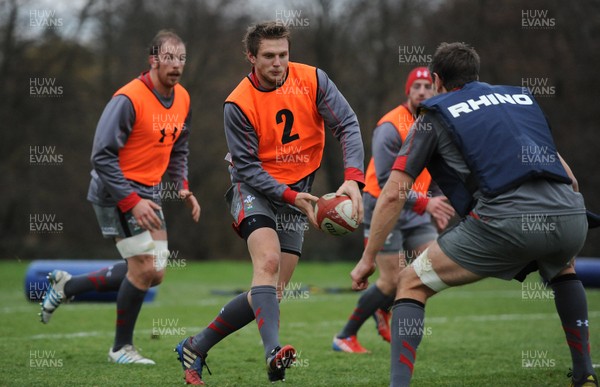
(441,211)
(192,203)
(361,273)
(145,215)
(350,188)
(305,202)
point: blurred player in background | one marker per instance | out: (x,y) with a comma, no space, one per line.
(491,152)
(275,122)
(413,231)
(142,133)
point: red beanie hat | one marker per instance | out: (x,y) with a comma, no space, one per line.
(417,73)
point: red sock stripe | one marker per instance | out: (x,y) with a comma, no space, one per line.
(574,332)
(413,352)
(216,329)
(94,281)
(120,321)
(220,320)
(356,315)
(257,312)
(409,364)
(575,345)
(260,323)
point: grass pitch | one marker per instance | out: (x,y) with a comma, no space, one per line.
(492,333)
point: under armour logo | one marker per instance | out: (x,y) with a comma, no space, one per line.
(582,323)
(422,74)
(163,131)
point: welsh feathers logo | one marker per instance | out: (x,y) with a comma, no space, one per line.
(248,202)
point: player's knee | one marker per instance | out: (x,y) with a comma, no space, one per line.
(158,277)
(269,263)
(408,280)
(387,285)
(148,273)
(423,276)
(142,273)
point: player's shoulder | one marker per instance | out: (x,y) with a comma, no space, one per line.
(302,66)
(179,88)
(306,71)
(131,87)
(386,130)
(182,91)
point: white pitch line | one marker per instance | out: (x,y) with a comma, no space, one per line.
(499,317)
(299,324)
(78,335)
(441,319)
(106,305)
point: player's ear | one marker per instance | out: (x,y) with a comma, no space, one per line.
(438,85)
(152,61)
(250,58)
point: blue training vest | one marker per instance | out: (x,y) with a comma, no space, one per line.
(503,136)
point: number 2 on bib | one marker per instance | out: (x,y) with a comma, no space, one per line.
(287,136)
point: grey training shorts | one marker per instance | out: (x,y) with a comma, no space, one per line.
(406,240)
(290,224)
(116,224)
(502,247)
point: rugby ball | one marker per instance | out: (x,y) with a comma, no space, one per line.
(334,214)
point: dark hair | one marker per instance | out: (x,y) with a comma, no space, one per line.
(456,64)
(266,30)
(160,38)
